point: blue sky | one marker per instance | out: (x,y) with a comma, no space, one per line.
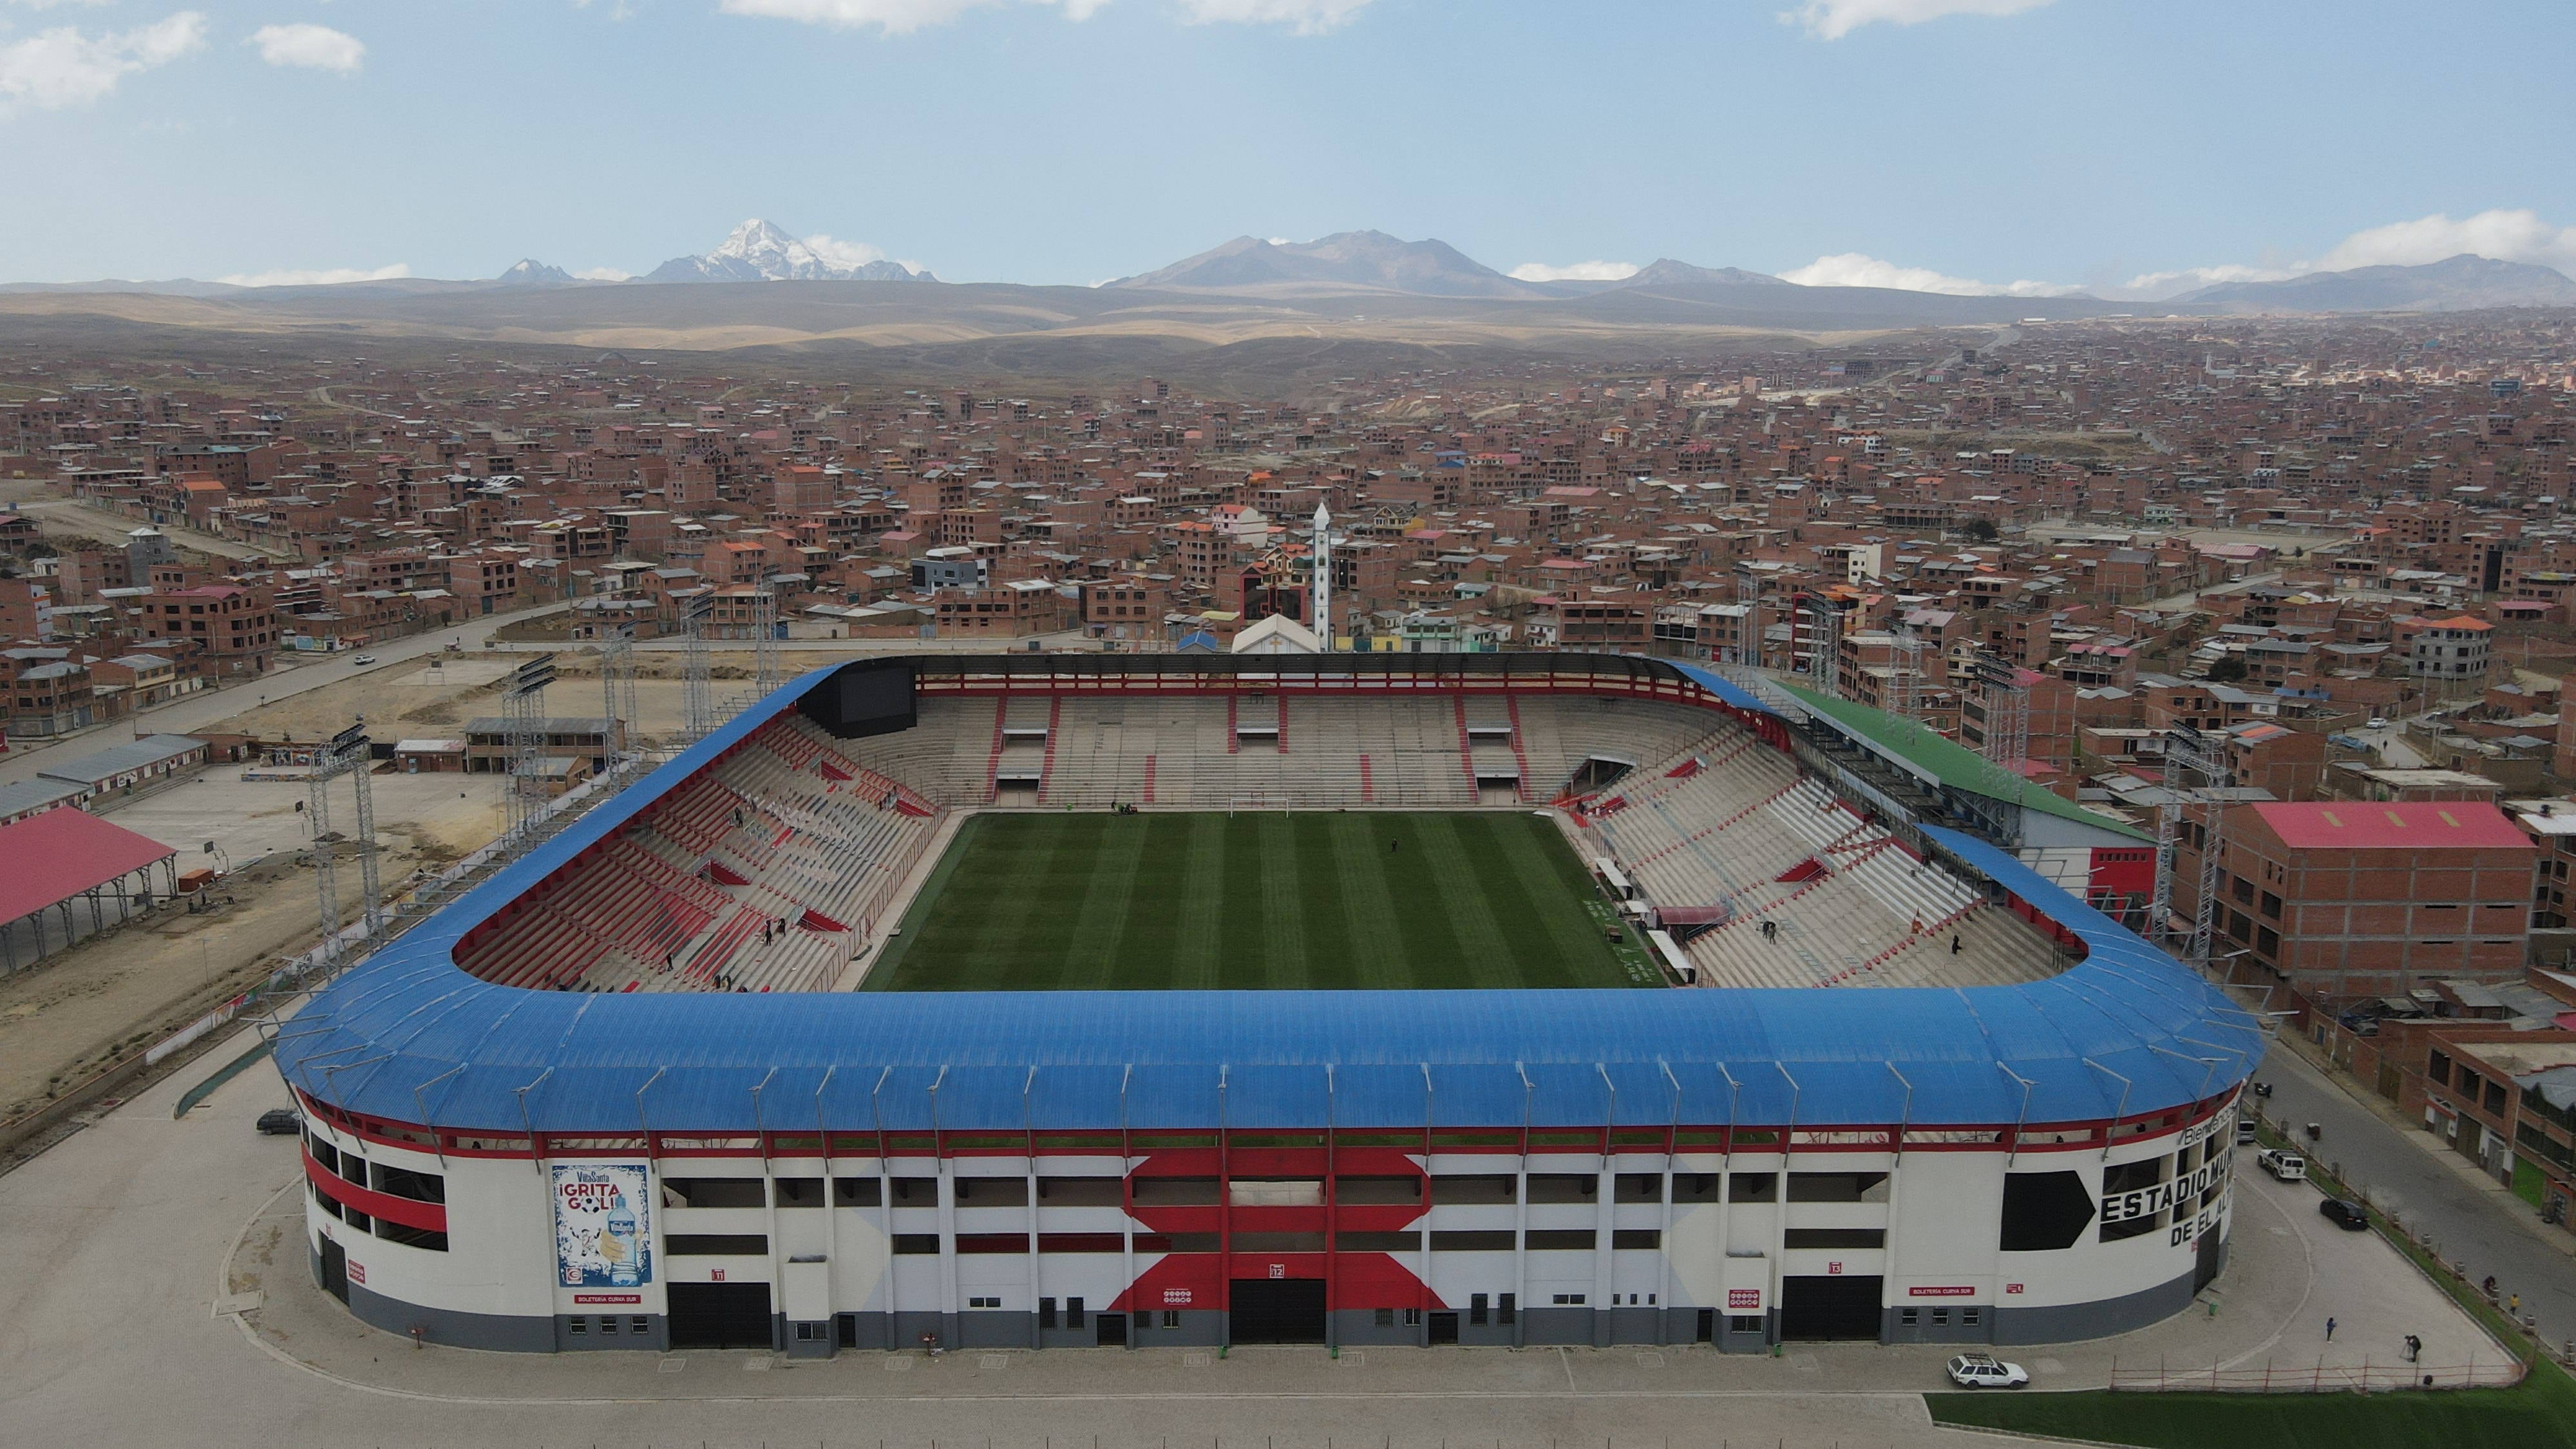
(1941,143)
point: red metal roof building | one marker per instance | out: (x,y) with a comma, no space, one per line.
(2349,899)
(53,862)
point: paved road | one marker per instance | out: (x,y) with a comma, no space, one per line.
(63,515)
(196,711)
(2486,1229)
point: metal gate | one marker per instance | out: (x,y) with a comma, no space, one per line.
(720,1315)
(1278,1310)
(2207,1254)
(335,1268)
(1830,1307)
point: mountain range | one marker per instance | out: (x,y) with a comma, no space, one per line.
(760,252)
(1401,275)
(1372,261)
(2455,284)
(1265,318)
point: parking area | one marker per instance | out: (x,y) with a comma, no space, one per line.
(147,1250)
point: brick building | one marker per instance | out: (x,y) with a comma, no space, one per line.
(2349,899)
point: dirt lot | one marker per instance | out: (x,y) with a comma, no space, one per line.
(133,983)
(136,982)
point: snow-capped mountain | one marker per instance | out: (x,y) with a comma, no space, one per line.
(760,252)
(534,273)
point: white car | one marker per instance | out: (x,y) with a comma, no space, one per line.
(2378,722)
(2287,1166)
(364,659)
(1985,1371)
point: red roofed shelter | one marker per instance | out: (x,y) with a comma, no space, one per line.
(53,861)
(2349,899)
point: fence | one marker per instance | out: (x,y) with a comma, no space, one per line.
(2365,1377)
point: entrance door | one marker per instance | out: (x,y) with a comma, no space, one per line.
(2204,1266)
(1109,1330)
(335,1269)
(1444,1328)
(720,1315)
(1830,1307)
(1707,1328)
(1278,1310)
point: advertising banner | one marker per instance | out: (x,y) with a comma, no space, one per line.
(603,1225)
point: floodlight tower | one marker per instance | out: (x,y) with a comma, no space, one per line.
(524,706)
(346,753)
(1905,683)
(617,687)
(2189,753)
(764,650)
(697,703)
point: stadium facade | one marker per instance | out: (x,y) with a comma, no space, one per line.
(587,1137)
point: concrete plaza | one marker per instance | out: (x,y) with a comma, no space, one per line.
(155,1291)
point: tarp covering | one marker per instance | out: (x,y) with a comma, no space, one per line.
(61,853)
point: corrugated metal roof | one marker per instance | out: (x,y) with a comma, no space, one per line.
(2402,825)
(409,1036)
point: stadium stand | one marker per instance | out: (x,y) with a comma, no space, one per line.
(770,870)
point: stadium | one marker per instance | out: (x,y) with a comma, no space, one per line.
(1053,1001)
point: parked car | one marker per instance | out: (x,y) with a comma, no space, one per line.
(1985,1371)
(280,1122)
(2378,722)
(2282,1163)
(2345,1214)
(364,659)
(2244,1131)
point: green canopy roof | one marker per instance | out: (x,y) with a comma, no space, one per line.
(1948,761)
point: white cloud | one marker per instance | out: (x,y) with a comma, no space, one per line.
(604,274)
(313,47)
(891,17)
(843,254)
(2507,236)
(1576,272)
(63,67)
(326,277)
(1834,19)
(1852,269)
(2156,286)
(1306,17)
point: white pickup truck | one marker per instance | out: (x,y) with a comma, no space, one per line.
(2286,1165)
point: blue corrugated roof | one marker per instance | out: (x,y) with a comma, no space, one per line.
(408,1036)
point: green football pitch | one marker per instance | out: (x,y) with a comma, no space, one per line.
(1258,901)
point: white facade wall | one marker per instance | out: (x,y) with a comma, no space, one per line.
(1928,1231)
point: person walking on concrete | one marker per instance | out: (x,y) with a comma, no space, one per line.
(2414,1349)
(2329,1330)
